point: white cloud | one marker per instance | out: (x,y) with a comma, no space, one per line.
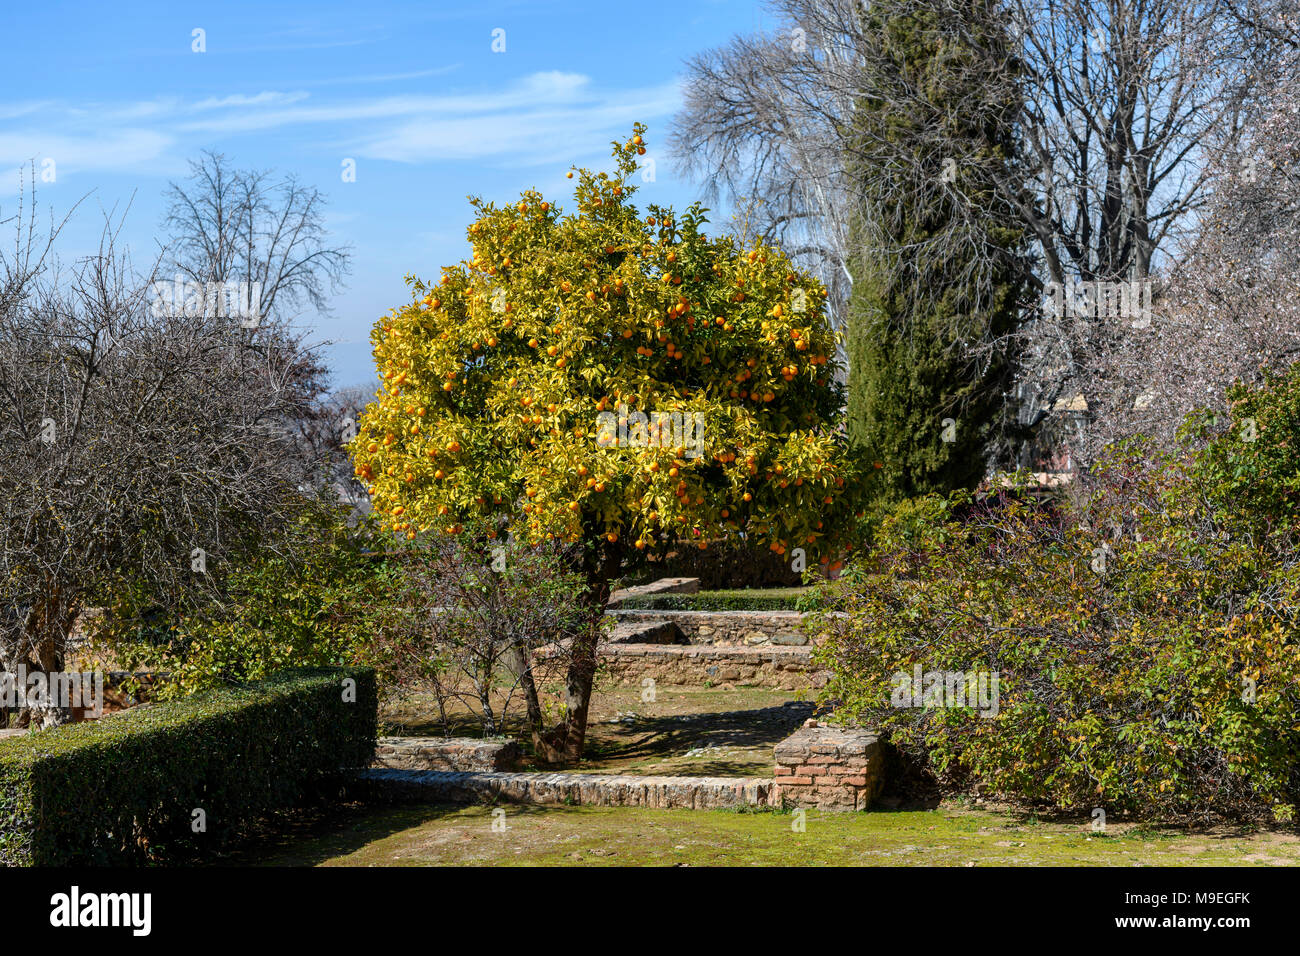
(15,110)
(118,149)
(534,120)
(539,89)
(518,137)
(267,98)
(384,77)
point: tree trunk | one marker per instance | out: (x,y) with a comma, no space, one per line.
(562,744)
(46,635)
(517,659)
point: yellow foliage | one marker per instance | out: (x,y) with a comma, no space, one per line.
(559,318)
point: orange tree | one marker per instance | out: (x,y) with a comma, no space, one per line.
(512,390)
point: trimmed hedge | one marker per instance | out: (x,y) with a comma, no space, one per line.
(771,599)
(123,789)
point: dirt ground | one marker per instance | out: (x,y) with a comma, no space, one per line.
(690,731)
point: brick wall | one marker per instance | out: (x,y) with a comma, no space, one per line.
(829,768)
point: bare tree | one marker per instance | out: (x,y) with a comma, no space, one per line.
(228,228)
(499,624)
(766,124)
(1123,98)
(1125,101)
(322,432)
(227,225)
(1231,311)
(138,445)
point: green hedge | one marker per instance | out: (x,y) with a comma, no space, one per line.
(768,599)
(123,789)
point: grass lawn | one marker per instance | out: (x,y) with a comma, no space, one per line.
(724,732)
(951,835)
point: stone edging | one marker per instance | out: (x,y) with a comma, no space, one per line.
(829,768)
(578,789)
(661,586)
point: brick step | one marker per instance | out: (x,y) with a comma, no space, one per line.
(833,768)
(582,789)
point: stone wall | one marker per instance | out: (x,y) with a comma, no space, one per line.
(787,668)
(446,753)
(735,628)
(829,768)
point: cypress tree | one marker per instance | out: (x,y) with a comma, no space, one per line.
(938,274)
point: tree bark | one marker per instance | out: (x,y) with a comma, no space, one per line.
(562,745)
(46,634)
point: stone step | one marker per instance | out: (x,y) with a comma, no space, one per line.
(580,789)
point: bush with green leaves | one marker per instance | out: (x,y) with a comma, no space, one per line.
(315,595)
(1143,634)
(478,620)
(177,779)
(1251,463)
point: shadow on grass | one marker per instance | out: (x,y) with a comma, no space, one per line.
(307,837)
(1020,817)
(668,739)
(623,743)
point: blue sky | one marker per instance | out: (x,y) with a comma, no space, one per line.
(412,92)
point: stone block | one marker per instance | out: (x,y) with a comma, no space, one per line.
(467,754)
